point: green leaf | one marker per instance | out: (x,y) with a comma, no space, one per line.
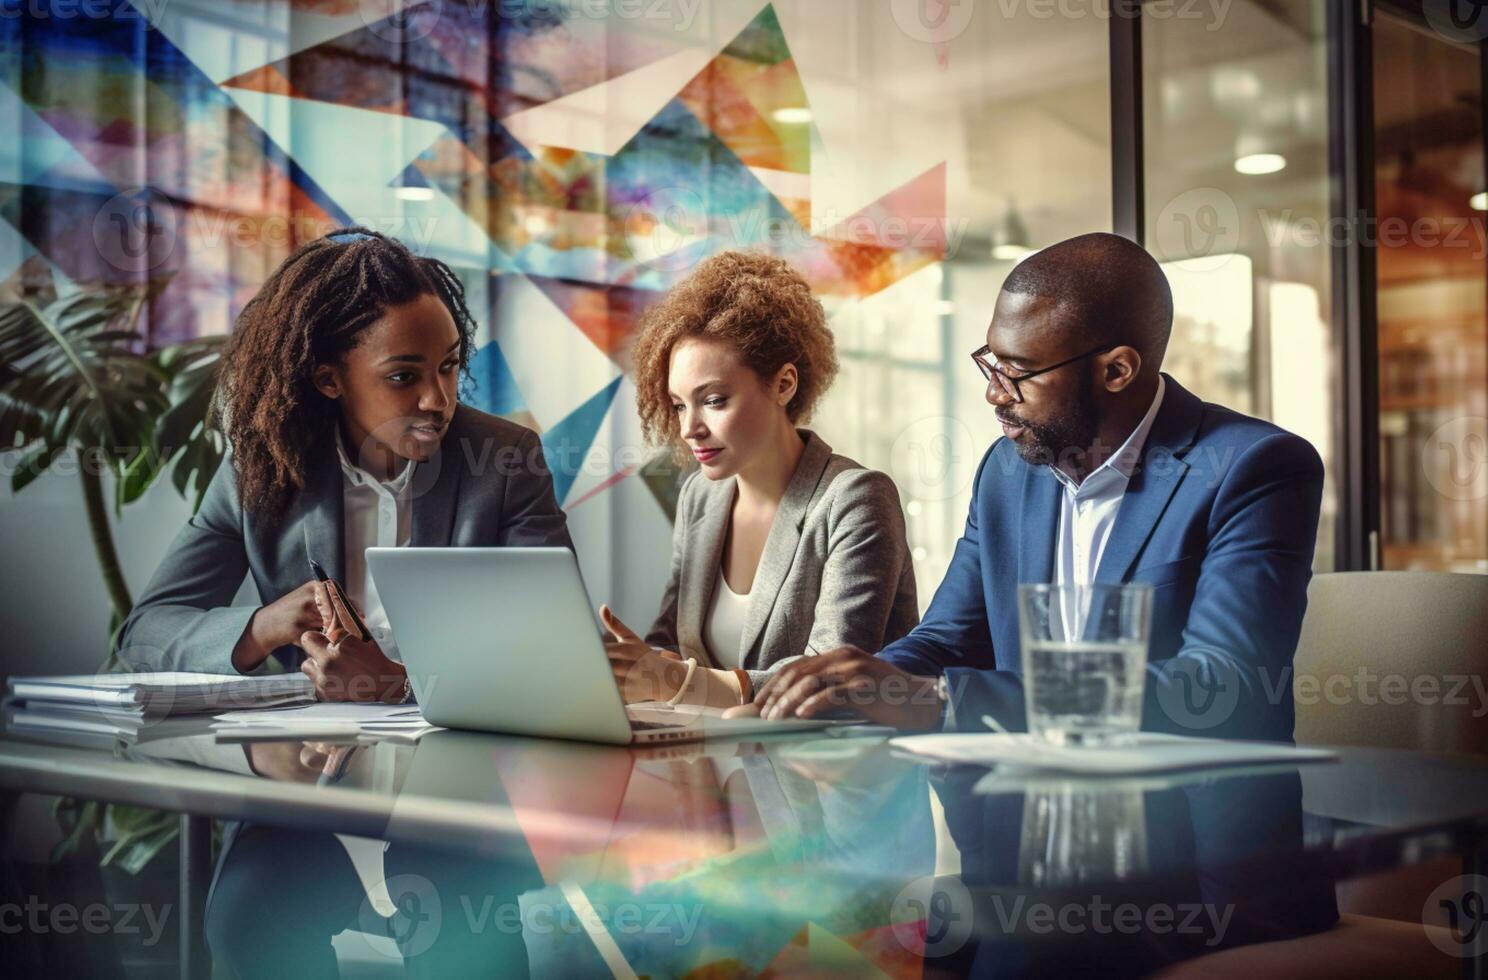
(135,819)
(35,462)
(138,475)
(133,850)
(186,431)
(74,375)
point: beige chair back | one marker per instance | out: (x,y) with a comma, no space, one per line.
(1394,660)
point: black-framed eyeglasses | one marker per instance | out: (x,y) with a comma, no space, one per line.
(1008,383)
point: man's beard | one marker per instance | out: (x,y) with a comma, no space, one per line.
(1059,440)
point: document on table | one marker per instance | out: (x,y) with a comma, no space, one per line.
(326,719)
(158,694)
(1148,752)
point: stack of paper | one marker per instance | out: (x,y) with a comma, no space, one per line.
(1148,752)
(133,708)
(158,695)
(328,721)
(64,722)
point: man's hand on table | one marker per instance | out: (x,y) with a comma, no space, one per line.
(848,679)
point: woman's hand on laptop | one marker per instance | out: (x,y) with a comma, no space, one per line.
(344,667)
(642,672)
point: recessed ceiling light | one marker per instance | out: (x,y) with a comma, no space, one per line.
(1479,201)
(415,193)
(1260,163)
(792,116)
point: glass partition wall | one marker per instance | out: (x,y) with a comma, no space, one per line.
(1238,211)
(1244,204)
(1432,256)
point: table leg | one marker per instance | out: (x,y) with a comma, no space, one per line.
(196,878)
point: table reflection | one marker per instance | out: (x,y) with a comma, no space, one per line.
(826,855)
(1122,876)
(742,856)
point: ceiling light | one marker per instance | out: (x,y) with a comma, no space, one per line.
(415,193)
(1260,163)
(794,116)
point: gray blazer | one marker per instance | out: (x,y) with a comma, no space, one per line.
(835,571)
(487,486)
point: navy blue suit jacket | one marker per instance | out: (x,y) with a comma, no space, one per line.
(1220,518)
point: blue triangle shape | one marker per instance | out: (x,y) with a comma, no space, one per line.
(493,387)
(566,444)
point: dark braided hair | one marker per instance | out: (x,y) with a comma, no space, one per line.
(311,311)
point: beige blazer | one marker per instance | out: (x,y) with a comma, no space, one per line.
(836,567)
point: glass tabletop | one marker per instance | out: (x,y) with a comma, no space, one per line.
(574,858)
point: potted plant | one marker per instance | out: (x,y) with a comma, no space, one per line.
(75,376)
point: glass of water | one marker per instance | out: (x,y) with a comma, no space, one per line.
(1084,660)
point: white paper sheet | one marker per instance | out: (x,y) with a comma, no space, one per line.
(1148,752)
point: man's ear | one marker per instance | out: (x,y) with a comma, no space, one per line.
(786,382)
(1121,367)
(327,381)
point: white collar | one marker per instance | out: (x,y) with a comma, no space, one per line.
(1123,462)
(357,477)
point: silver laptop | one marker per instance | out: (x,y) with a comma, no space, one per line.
(506,640)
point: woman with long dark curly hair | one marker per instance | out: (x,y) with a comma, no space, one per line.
(340,401)
(782,548)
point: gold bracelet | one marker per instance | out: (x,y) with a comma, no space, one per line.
(746,687)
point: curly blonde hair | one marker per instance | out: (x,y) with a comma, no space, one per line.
(756,303)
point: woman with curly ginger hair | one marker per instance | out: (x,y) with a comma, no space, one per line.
(340,403)
(781,548)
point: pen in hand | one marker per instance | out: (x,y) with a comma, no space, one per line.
(357,626)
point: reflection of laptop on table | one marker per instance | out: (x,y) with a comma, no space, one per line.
(505,640)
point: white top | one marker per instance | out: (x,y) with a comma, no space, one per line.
(723,629)
(1087,510)
(376,514)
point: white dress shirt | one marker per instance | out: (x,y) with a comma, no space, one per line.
(723,630)
(375,514)
(1087,510)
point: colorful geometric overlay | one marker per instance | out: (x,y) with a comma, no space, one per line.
(465,129)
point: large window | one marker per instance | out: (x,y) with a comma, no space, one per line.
(1432,255)
(1238,210)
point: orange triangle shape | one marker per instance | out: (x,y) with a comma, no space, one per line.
(266,78)
(912,216)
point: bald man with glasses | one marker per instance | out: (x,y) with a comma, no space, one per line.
(1108,472)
